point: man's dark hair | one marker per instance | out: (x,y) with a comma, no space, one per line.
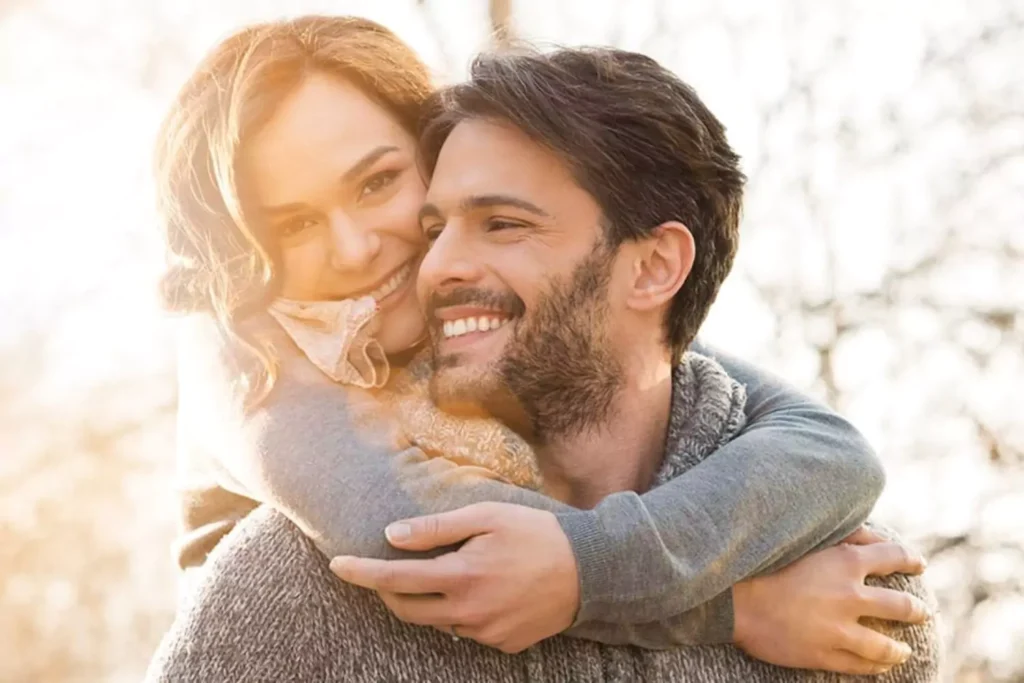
(634,135)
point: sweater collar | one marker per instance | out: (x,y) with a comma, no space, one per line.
(707,411)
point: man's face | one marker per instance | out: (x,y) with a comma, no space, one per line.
(516,284)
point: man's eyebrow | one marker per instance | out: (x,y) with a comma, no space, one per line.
(367,160)
(483,201)
(429,211)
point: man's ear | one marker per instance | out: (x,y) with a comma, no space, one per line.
(661,264)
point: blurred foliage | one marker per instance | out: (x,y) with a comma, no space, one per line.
(881,269)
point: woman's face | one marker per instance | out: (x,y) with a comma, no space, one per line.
(333,178)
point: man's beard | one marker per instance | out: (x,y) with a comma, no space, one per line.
(558,375)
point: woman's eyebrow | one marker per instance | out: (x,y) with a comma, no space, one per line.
(354,171)
(368,160)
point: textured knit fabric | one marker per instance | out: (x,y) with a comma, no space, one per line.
(795,479)
(267,609)
(336,336)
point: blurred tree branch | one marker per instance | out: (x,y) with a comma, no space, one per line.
(500,14)
(86,496)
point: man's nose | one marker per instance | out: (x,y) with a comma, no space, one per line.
(451,261)
(353,247)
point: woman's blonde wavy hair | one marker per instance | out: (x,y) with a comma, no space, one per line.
(219,263)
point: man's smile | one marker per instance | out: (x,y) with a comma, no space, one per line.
(465,327)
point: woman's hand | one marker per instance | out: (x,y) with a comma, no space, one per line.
(807,615)
(512,584)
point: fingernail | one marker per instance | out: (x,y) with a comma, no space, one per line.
(339,564)
(905,653)
(398,532)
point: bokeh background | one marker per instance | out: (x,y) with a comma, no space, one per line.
(882,269)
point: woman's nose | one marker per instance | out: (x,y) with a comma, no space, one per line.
(353,247)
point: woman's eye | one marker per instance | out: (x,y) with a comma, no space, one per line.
(378,182)
(296,226)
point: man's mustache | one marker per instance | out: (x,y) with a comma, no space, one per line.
(503,302)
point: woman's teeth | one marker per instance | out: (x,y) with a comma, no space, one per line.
(393,283)
(457,328)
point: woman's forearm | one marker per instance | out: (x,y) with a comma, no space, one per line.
(669,556)
(796,479)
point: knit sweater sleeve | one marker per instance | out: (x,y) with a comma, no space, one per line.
(266,608)
(316,452)
(657,570)
(323,454)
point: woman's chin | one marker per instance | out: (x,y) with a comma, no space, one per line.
(396,339)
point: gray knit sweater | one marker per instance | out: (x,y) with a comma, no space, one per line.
(267,608)
(796,479)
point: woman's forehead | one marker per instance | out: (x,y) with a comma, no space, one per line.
(321,130)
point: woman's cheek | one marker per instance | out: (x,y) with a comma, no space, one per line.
(303,265)
(404,209)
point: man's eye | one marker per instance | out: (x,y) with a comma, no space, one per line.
(432,232)
(378,182)
(497,224)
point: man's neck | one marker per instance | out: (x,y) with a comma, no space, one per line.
(621,454)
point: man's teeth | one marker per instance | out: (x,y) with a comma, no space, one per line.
(392,284)
(483,323)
